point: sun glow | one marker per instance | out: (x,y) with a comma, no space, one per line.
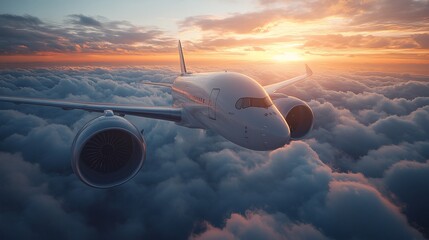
(289,56)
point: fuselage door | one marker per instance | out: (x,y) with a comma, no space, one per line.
(212,103)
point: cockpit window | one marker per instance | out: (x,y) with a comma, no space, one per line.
(253,102)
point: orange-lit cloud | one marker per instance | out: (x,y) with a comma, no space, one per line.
(321,30)
(360,41)
(239,23)
(316,30)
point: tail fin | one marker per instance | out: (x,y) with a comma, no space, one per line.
(182,60)
(308,70)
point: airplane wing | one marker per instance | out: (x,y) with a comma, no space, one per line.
(164,113)
(272,88)
(169,85)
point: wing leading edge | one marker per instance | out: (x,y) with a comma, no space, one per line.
(272,88)
(163,113)
(168,85)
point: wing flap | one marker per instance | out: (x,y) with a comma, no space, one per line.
(164,113)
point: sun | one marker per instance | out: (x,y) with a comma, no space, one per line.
(288,56)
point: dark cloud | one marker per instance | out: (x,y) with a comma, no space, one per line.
(350,179)
(29,209)
(344,212)
(377,161)
(408,181)
(29,35)
(80,19)
(26,20)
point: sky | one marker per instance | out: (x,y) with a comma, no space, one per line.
(326,31)
(361,173)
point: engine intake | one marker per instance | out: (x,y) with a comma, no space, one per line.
(108,151)
(297,114)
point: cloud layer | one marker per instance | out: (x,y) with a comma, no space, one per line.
(79,34)
(351,178)
(265,30)
(380,29)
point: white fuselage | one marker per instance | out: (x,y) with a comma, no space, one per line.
(209,101)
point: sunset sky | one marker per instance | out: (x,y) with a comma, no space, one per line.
(362,172)
(366,31)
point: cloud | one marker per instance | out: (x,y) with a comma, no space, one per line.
(252,43)
(27,34)
(349,179)
(375,163)
(354,205)
(80,19)
(357,25)
(422,40)
(238,23)
(393,13)
(29,210)
(80,34)
(26,20)
(359,41)
(407,181)
(260,225)
(262,20)
(397,12)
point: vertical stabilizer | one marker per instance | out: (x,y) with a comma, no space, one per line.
(182,60)
(308,70)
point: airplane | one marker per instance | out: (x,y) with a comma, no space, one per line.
(109,150)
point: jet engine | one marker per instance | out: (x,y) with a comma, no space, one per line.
(297,114)
(108,151)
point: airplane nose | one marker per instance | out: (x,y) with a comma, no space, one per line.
(277,134)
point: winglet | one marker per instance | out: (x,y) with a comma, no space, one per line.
(308,70)
(182,60)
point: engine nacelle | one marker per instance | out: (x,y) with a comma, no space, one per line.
(297,114)
(108,151)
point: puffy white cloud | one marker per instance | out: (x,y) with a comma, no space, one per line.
(350,178)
